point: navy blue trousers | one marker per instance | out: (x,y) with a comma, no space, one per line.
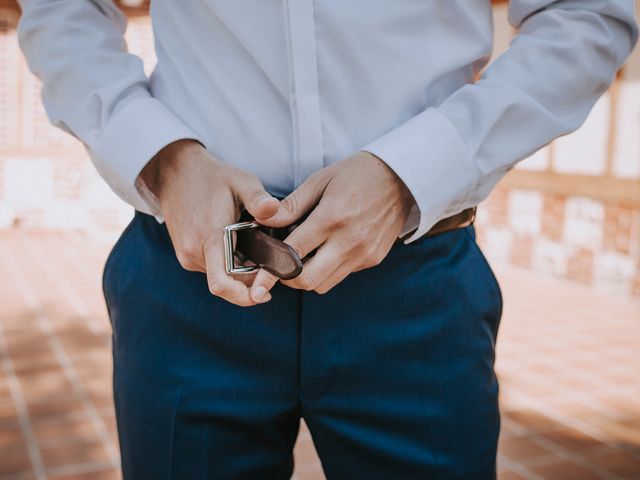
(392,369)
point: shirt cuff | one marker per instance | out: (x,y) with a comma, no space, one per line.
(429,156)
(133,135)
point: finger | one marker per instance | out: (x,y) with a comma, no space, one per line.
(247,279)
(255,198)
(310,234)
(300,201)
(262,284)
(319,268)
(221,284)
(337,276)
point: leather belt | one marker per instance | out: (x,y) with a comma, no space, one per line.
(264,247)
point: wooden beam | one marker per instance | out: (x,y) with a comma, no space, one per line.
(9,5)
(614,102)
(606,189)
(131,11)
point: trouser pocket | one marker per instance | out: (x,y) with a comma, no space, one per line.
(488,273)
(109,281)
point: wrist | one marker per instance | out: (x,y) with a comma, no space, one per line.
(406,197)
(166,162)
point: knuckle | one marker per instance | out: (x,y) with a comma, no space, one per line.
(190,249)
(339,223)
(358,241)
(371,251)
(217,288)
(344,219)
(221,289)
(374,258)
(256,193)
(182,259)
(186,261)
(190,267)
(289,203)
(379,257)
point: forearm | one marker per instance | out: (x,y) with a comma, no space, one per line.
(95,90)
(565,55)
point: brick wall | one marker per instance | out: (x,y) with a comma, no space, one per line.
(580,238)
(46,178)
(572,209)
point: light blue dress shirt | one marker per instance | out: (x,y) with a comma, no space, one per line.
(282,88)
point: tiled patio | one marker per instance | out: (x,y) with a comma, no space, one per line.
(569,363)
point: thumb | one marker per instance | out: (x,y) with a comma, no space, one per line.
(300,201)
(258,202)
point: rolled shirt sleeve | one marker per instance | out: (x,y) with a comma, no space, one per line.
(563,58)
(98,92)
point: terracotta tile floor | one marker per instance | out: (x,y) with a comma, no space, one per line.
(568,359)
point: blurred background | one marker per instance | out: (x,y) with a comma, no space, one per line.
(562,232)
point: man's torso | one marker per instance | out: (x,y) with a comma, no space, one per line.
(283,88)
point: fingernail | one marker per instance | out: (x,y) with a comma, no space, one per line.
(260,295)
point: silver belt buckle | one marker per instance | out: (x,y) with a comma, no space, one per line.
(229,258)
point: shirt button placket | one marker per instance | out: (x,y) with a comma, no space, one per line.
(304,100)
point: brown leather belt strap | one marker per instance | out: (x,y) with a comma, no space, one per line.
(264,246)
(459,220)
(268,252)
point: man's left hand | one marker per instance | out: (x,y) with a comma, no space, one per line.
(359,207)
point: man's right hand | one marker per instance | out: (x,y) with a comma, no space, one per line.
(199,195)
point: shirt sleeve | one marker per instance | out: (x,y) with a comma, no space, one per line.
(564,56)
(95,90)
